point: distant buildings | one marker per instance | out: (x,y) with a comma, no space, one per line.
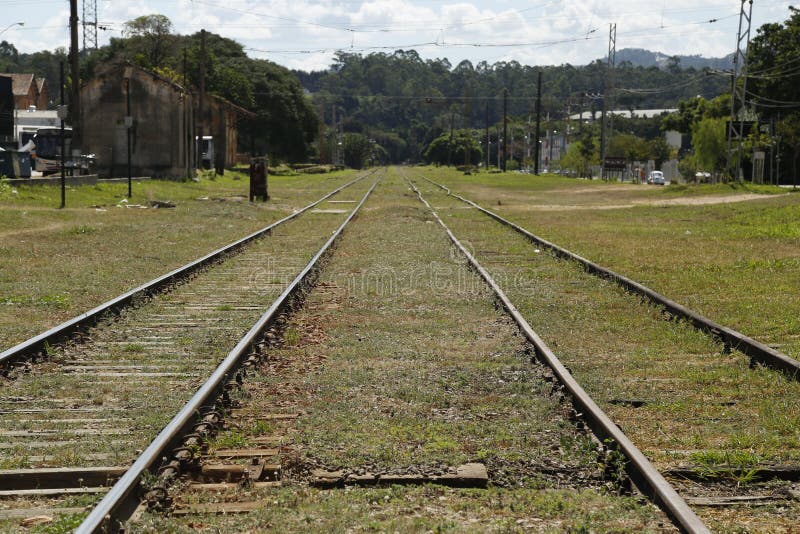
(28,90)
(627,113)
(163,127)
(24,100)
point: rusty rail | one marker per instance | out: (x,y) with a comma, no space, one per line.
(757,352)
(121,501)
(59,333)
(646,477)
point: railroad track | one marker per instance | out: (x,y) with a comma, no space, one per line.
(250,433)
(208,476)
(758,352)
(701,436)
(83,401)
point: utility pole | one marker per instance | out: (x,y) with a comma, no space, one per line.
(450,144)
(128,127)
(497,131)
(61,115)
(201,110)
(608,99)
(333,135)
(75,96)
(467,126)
(488,142)
(505,128)
(739,91)
(536,147)
(188,127)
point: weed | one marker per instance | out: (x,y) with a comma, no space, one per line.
(738,466)
(83,229)
(230,440)
(291,336)
(263,428)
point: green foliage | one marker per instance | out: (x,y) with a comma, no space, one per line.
(357,149)
(708,142)
(629,146)
(462,149)
(150,40)
(415,98)
(582,153)
(775,86)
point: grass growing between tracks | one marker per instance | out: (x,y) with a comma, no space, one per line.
(55,264)
(100,401)
(727,251)
(669,387)
(399,363)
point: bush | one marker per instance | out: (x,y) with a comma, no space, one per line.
(315,169)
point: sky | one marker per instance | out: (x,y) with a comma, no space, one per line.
(304,34)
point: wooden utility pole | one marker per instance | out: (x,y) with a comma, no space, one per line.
(201,107)
(450,144)
(63,141)
(537,146)
(488,143)
(74,56)
(505,128)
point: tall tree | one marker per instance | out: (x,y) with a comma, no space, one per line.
(150,38)
(774,63)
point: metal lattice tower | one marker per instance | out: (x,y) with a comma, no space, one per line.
(607,122)
(89,23)
(739,91)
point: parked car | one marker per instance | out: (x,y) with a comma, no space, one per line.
(656,178)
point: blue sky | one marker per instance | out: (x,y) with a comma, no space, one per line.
(304,34)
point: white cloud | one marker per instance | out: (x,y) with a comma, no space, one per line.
(278,26)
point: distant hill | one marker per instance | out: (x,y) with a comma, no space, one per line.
(639,57)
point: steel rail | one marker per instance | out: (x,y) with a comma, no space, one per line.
(62,331)
(755,350)
(120,501)
(646,477)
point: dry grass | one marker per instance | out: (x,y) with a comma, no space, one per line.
(400,362)
(736,263)
(700,406)
(55,263)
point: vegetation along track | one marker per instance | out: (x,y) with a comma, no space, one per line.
(398,398)
(723,431)
(16,357)
(75,421)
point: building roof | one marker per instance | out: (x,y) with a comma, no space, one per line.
(238,109)
(40,84)
(20,83)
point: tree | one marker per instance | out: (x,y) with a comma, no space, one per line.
(357,149)
(574,159)
(660,150)
(629,146)
(287,122)
(150,39)
(463,148)
(775,88)
(9,56)
(709,143)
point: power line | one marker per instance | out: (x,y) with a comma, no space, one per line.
(772,100)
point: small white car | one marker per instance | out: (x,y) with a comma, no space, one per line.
(656,178)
